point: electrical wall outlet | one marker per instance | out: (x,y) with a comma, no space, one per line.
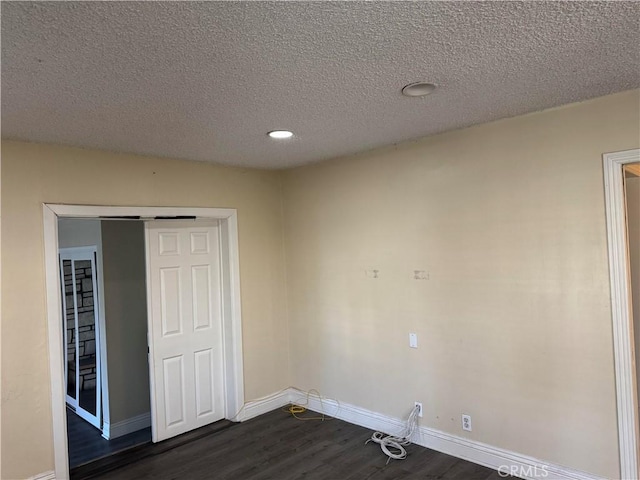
(419,405)
(466,422)
(413,340)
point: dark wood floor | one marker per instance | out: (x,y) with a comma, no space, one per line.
(86,443)
(280,447)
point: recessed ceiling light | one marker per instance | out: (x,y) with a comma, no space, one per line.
(418,89)
(280,134)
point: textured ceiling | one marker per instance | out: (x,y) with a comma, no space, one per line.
(206,80)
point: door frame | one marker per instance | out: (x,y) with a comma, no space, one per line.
(231,311)
(623,342)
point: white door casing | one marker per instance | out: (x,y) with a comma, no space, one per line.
(185,325)
(622,320)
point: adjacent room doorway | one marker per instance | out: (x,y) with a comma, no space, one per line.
(104,310)
(193,299)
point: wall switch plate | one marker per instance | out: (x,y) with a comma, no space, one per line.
(413,340)
(466,422)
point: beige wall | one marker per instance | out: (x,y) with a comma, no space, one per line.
(632,190)
(125,293)
(507,218)
(33,174)
(514,323)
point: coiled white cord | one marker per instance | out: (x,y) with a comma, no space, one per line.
(393,445)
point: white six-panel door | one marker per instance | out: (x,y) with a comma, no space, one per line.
(185,326)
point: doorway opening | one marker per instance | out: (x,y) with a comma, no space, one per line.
(226,236)
(103,292)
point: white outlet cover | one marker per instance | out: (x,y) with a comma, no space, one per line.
(466,423)
(413,340)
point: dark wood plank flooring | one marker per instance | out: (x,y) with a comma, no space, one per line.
(280,447)
(135,454)
(86,443)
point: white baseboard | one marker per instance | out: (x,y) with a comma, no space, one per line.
(262,405)
(130,425)
(499,459)
(51,475)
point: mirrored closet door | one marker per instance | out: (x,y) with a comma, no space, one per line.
(81,332)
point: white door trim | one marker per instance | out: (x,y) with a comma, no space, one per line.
(232,325)
(621,310)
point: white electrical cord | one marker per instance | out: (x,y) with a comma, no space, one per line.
(393,445)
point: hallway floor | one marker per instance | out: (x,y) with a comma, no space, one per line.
(86,443)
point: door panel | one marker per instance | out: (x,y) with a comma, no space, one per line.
(170,297)
(174,390)
(185,325)
(169,244)
(199,243)
(200,275)
(205,403)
